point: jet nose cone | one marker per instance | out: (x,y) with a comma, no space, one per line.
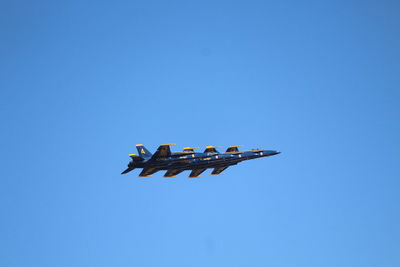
(272,152)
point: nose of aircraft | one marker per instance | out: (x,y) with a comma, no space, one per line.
(271,152)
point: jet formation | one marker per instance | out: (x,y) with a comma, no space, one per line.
(197,162)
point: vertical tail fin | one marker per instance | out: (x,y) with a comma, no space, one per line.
(211,149)
(189,149)
(232,149)
(143,152)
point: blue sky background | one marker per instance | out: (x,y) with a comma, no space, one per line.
(83,82)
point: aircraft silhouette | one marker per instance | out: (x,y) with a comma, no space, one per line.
(177,162)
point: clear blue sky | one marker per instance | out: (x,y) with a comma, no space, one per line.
(83,82)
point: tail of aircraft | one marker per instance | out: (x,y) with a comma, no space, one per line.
(189,149)
(127,170)
(233,149)
(211,149)
(143,152)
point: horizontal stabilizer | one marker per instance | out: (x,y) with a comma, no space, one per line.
(135,157)
(127,170)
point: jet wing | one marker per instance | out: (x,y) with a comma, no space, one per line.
(196,173)
(148,171)
(219,170)
(163,151)
(173,172)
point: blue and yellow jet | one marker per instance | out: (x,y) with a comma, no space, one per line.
(177,162)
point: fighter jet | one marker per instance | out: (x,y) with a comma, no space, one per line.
(197,162)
